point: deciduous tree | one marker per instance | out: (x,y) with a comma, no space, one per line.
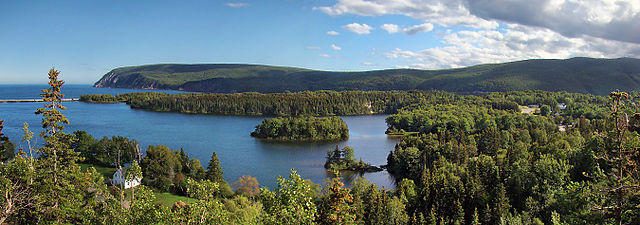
(337,205)
(247,185)
(134,173)
(290,203)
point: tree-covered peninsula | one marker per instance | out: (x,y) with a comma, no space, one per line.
(307,103)
(305,128)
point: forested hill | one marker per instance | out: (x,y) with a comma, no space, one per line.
(582,75)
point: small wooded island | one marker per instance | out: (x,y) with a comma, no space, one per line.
(101,98)
(306,128)
(343,160)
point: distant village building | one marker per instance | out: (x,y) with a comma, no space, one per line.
(119,178)
(562,106)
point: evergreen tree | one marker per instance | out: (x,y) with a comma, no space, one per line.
(57,149)
(195,169)
(60,183)
(184,161)
(214,172)
(7,148)
(476,219)
(347,153)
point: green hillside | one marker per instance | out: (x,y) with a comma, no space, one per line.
(582,75)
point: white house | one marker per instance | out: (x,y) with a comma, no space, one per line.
(562,106)
(118,179)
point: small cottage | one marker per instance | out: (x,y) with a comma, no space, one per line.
(119,178)
(562,106)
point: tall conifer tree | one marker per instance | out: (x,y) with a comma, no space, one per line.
(58,182)
(57,149)
(214,172)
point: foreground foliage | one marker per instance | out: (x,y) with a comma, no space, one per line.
(480,161)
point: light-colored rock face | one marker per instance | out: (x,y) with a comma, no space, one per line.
(111,78)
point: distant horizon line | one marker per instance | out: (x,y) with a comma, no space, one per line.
(32,84)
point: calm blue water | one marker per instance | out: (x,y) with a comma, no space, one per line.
(69,91)
(200,135)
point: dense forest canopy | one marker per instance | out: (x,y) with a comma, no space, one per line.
(344,103)
(481,161)
(581,75)
(318,103)
(305,128)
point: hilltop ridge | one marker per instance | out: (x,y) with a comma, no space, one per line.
(581,75)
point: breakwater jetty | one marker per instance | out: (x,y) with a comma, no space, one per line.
(34,100)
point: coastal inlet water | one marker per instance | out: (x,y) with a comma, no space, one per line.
(200,135)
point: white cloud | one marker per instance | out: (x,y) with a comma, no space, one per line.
(368,64)
(313,47)
(358,28)
(335,47)
(443,12)
(390,28)
(325,55)
(333,32)
(608,19)
(237,4)
(425,27)
(491,31)
(393,28)
(465,48)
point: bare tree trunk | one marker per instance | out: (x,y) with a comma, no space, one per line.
(7,210)
(122,181)
(138,152)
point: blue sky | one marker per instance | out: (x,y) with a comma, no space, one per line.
(86,39)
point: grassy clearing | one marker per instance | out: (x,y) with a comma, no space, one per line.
(107,172)
(527,110)
(167,199)
(402,134)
